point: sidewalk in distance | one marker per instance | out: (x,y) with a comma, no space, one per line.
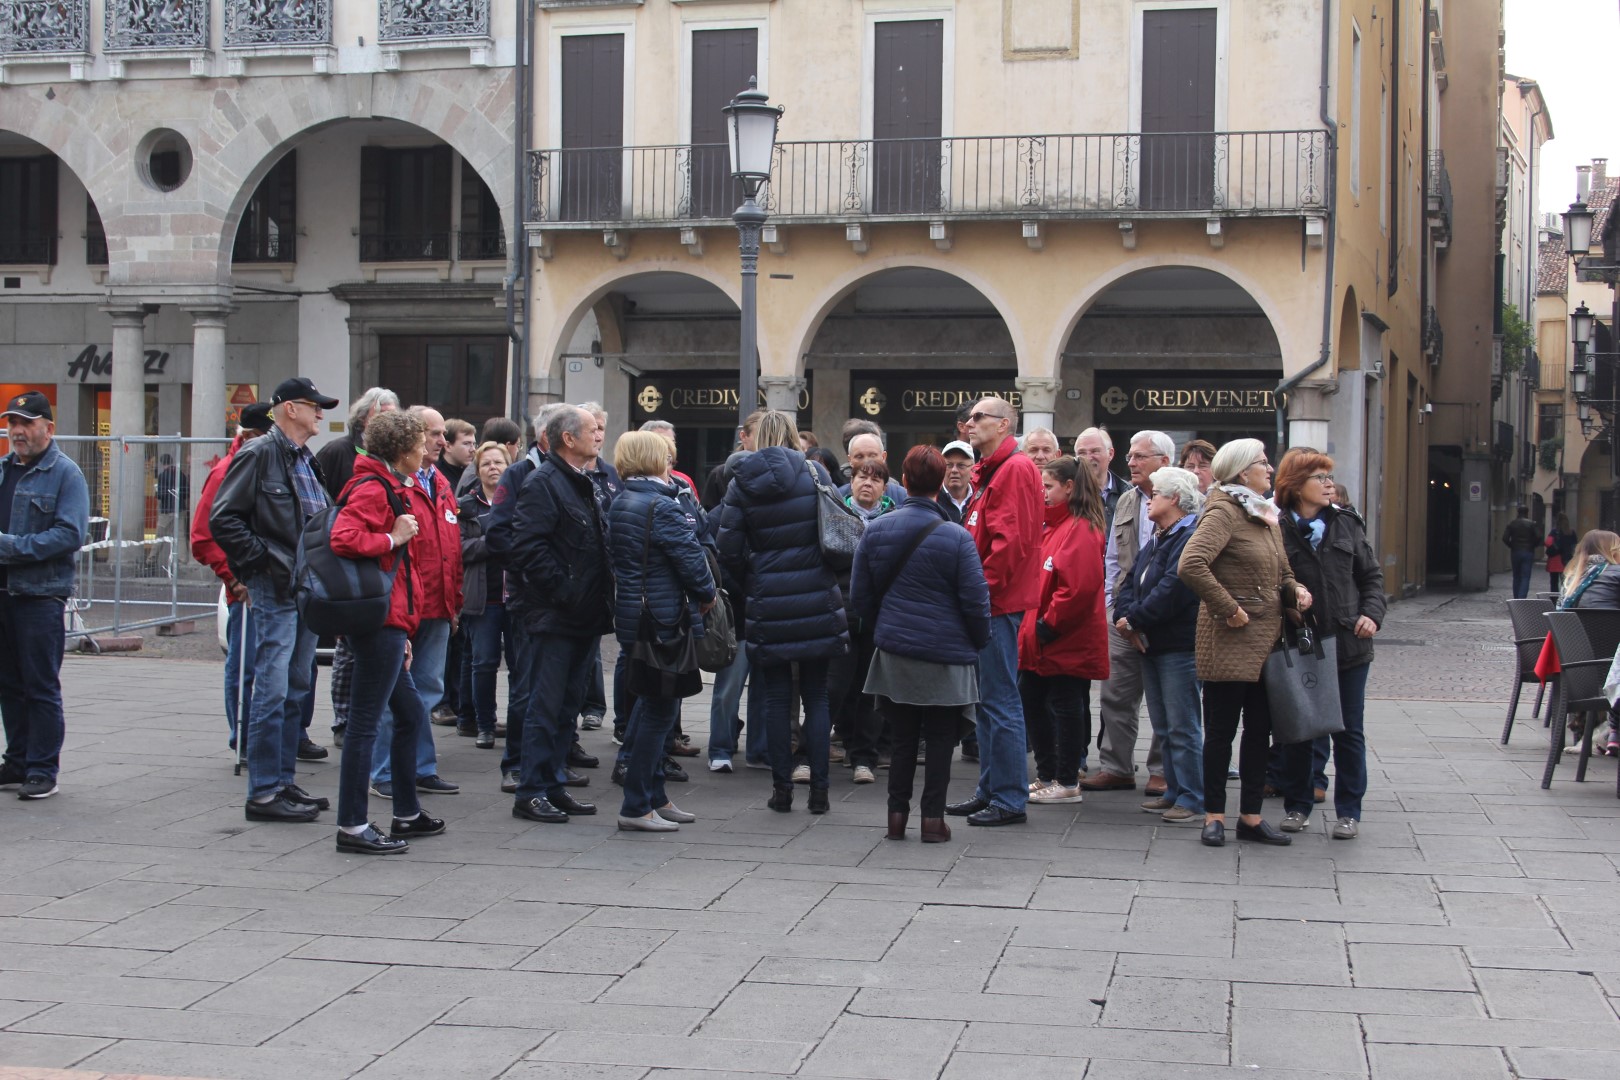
(1470,932)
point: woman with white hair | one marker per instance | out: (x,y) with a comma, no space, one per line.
(1158,614)
(1236,563)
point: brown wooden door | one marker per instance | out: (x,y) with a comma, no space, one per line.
(1178,107)
(722,63)
(461,377)
(590,166)
(907,116)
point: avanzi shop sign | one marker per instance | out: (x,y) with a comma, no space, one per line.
(98,365)
(925,402)
(696,399)
(1165,400)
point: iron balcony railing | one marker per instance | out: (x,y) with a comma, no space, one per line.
(277,22)
(1015,176)
(42,27)
(1434,337)
(1438,188)
(417,20)
(28,249)
(430,246)
(488,244)
(133,25)
(281,247)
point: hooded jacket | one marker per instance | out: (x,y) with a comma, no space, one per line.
(653,539)
(1004,520)
(1066,632)
(360,531)
(203,548)
(768,538)
(436,550)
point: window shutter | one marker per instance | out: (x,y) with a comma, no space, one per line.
(373,167)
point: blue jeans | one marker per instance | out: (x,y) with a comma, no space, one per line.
(1523,563)
(381,687)
(652,720)
(428,647)
(1349,746)
(777,680)
(561,672)
(1003,772)
(238,676)
(1170,683)
(282,664)
(596,688)
(31,641)
(484,646)
(725,699)
(522,656)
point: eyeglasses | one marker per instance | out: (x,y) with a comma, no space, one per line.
(1324,477)
(1144,457)
(974,418)
(949,465)
(301,401)
(1257,461)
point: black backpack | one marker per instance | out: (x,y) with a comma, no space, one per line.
(339,596)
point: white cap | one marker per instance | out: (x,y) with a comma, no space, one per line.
(957,444)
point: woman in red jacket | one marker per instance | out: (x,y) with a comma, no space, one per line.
(373,524)
(1063,642)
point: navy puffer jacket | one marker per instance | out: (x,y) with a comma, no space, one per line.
(677,577)
(768,539)
(937,607)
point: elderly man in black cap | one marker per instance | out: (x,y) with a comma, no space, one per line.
(272,486)
(44,514)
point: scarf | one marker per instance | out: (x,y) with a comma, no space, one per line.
(1593,572)
(884,505)
(1312,529)
(1256,506)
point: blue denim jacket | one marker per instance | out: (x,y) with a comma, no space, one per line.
(49,521)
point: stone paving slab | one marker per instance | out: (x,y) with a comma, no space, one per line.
(145,927)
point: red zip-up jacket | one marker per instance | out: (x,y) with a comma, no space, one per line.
(361,532)
(1004,519)
(1071,602)
(203,548)
(437,551)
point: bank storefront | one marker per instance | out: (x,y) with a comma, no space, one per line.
(920,409)
(703,406)
(1214,405)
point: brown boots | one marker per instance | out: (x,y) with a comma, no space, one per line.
(935,831)
(897,824)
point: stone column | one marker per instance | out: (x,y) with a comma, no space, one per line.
(1310,415)
(128,417)
(207,393)
(1039,401)
(781,393)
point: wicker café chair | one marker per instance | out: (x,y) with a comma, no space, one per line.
(1587,640)
(1529,622)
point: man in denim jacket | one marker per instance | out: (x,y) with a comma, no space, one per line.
(44,507)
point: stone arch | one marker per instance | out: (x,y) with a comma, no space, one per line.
(1069,318)
(1347,349)
(804,334)
(546,362)
(53,125)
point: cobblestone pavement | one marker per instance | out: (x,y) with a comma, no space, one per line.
(1470,932)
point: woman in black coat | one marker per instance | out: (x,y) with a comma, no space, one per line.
(659,568)
(795,615)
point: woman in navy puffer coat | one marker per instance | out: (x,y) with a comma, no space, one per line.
(795,614)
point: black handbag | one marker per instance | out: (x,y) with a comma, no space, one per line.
(717,648)
(339,596)
(659,667)
(1302,685)
(838,528)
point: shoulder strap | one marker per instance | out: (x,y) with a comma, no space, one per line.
(905,556)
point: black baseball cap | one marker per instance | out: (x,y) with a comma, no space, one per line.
(30,406)
(301,389)
(255,417)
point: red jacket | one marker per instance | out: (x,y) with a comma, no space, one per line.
(1071,602)
(437,551)
(1004,519)
(361,531)
(203,548)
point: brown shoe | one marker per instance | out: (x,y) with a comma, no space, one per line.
(1107,781)
(935,830)
(1157,806)
(1155,786)
(897,824)
(1321,795)
(685,749)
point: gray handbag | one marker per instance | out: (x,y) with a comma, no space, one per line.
(1302,685)
(838,528)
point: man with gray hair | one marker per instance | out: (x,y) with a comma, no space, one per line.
(1122,693)
(1094,447)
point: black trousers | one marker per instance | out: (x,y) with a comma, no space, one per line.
(1057,715)
(936,724)
(855,714)
(1225,704)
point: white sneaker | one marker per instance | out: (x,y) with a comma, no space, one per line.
(671,812)
(801,774)
(864,775)
(1057,793)
(719,764)
(650,823)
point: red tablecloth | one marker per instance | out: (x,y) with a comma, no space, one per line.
(1547,663)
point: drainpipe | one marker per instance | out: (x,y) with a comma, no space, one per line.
(1326,353)
(1532,269)
(520,253)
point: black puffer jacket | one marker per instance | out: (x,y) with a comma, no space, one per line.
(1343,576)
(560,548)
(677,577)
(768,539)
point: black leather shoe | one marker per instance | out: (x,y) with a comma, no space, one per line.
(1214,834)
(580,759)
(995,815)
(966,807)
(673,773)
(781,799)
(1264,833)
(818,800)
(311,751)
(420,825)
(370,842)
(618,773)
(574,779)
(280,809)
(294,793)
(572,806)
(436,785)
(539,809)
(509,783)
(486,740)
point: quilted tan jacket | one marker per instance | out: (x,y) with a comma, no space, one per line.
(1236,560)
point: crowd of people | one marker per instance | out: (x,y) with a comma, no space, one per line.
(996,583)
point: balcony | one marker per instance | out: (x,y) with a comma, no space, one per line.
(177,30)
(1021,177)
(1434,338)
(28,249)
(482,246)
(255,28)
(45,32)
(410,25)
(1438,189)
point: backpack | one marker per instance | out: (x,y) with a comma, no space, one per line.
(339,596)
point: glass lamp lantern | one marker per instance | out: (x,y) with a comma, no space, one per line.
(751,127)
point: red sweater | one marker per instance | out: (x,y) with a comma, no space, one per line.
(203,548)
(361,531)
(1071,602)
(1004,519)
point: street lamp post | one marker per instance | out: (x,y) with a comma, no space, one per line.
(752,128)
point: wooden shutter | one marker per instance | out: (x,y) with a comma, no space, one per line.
(907,115)
(373,201)
(722,63)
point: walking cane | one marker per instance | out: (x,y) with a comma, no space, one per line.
(243,693)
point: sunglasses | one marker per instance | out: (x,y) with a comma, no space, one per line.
(974,418)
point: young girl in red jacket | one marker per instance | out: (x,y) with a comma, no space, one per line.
(1063,643)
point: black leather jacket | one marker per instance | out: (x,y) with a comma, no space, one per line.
(1343,576)
(559,546)
(257,516)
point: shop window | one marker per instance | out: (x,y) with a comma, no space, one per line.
(1549,422)
(269,227)
(28,211)
(95,235)
(405,203)
(481,236)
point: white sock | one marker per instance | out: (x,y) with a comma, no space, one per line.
(413,817)
(354,830)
